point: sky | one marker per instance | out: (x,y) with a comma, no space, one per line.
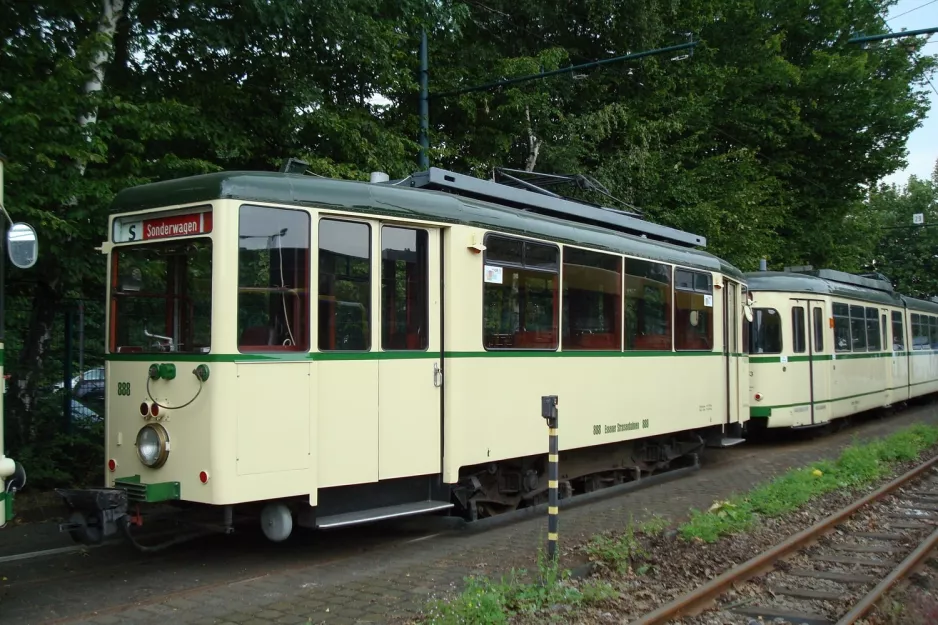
(922,145)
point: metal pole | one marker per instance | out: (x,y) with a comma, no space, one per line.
(549,412)
(903,33)
(67,371)
(424,103)
(572,68)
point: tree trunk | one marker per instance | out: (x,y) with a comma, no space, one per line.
(534,144)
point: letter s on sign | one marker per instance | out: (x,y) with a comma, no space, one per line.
(133,232)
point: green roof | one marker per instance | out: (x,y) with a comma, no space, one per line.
(404,202)
(790,282)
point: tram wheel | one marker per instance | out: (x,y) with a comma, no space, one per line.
(276,522)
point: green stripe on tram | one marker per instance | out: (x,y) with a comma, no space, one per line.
(766,411)
(756,360)
(402,355)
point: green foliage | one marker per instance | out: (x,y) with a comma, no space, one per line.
(624,552)
(857,466)
(486,602)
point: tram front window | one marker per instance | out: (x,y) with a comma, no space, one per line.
(161,297)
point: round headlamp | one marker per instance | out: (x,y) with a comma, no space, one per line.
(153,445)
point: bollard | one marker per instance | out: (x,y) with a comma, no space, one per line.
(549,412)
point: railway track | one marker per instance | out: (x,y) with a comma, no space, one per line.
(832,573)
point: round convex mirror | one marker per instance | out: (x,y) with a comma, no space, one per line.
(747,311)
(22,245)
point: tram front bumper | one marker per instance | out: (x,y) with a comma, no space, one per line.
(95,513)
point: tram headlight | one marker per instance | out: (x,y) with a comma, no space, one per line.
(153,445)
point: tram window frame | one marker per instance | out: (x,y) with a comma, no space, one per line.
(916,325)
(583,303)
(933,332)
(278,328)
(647,313)
(818,315)
(695,284)
(128,287)
(521,258)
(759,345)
(883,330)
(798,334)
(416,296)
(744,294)
(841,314)
(898,345)
(858,328)
(872,330)
(324,330)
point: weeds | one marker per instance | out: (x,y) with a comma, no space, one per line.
(857,466)
(486,602)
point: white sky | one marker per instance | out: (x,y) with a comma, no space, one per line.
(923,142)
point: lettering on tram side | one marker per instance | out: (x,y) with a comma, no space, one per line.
(620,427)
(706,408)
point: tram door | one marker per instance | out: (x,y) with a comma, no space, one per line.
(410,375)
(808,321)
(731,348)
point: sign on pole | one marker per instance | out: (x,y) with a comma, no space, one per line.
(918,219)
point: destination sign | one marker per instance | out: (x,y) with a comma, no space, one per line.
(136,229)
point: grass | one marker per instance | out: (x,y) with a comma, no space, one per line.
(488,602)
(857,466)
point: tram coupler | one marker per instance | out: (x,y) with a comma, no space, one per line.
(94,513)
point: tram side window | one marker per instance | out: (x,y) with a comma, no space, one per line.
(842,327)
(520,296)
(693,311)
(858,328)
(404,289)
(746,324)
(872,329)
(162,289)
(647,306)
(818,330)
(273,279)
(766,332)
(344,286)
(933,331)
(918,343)
(797,330)
(898,333)
(883,330)
(592,301)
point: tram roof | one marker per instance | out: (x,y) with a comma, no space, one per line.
(793,282)
(404,202)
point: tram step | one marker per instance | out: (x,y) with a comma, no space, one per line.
(380,514)
(727,442)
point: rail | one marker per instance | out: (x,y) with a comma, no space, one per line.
(708,595)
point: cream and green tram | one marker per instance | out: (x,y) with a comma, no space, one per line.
(22,248)
(825,345)
(322,353)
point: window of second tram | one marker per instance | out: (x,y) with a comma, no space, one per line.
(161,297)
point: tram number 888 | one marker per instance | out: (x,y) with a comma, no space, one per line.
(123,388)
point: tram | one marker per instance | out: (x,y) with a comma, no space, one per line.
(825,345)
(321,353)
(22,249)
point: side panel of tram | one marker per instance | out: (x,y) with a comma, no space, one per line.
(338,381)
(816,358)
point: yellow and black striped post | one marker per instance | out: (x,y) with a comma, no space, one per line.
(549,412)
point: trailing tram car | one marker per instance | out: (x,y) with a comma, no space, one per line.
(322,353)
(825,345)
